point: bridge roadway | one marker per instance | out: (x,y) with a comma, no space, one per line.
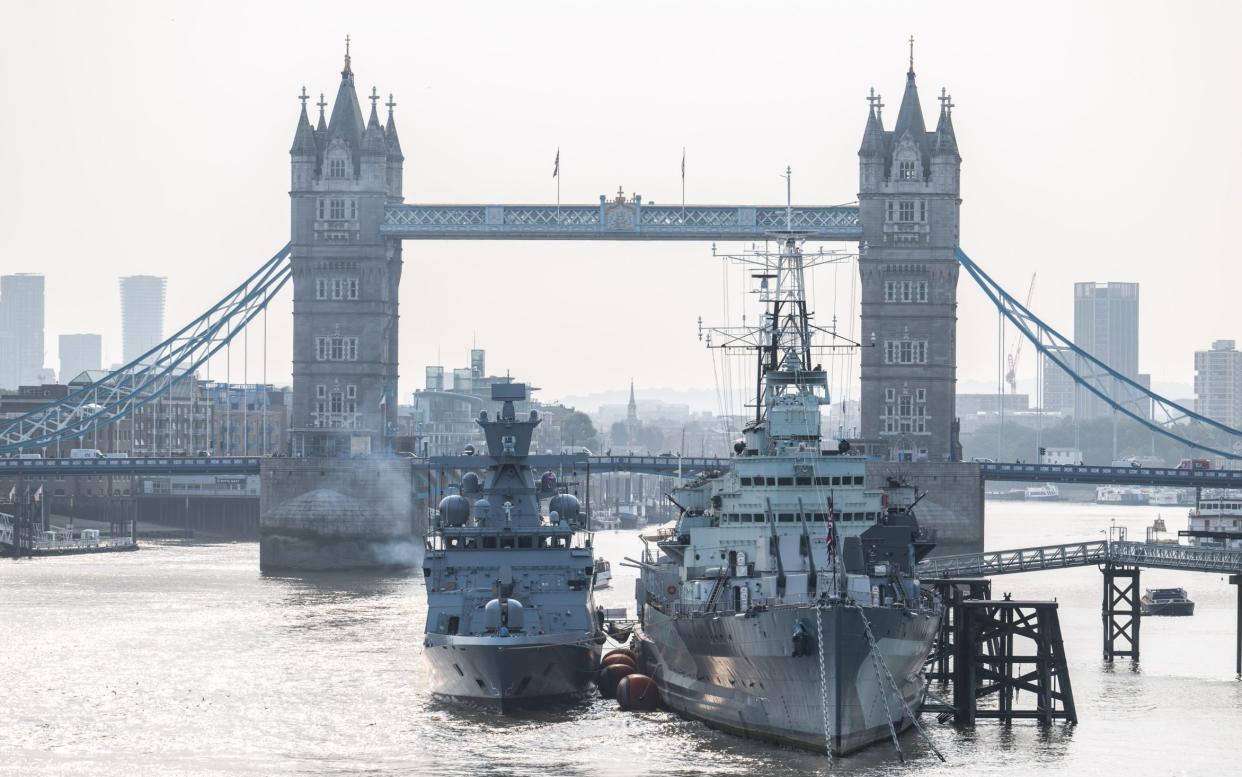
(200,465)
(249,465)
(649,465)
(1113,476)
(1082,554)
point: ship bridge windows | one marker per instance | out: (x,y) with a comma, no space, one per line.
(803,480)
(784,481)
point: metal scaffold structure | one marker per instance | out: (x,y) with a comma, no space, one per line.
(1120,392)
(154,373)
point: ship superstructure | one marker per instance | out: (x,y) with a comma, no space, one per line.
(510,610)
(784,603)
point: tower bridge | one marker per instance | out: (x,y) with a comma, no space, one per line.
(344,262)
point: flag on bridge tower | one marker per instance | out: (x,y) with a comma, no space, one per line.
(38,497)
(683,183)
(556,173)
(13,494)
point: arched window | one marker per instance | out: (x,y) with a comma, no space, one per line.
(336,168)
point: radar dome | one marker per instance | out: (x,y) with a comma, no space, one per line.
(470,483)
(566,506)
(454,510)
(482,509)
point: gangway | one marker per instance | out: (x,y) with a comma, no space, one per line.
(1120,562)
(1081,554)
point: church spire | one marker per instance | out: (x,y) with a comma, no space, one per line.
(631,410)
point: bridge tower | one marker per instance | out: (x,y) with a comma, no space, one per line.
(909,187)
(345,276)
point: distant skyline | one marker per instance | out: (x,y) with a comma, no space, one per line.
(161,148)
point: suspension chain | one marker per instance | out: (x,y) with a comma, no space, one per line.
(823,679)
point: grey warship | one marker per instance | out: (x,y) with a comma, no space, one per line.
(783,604)
(510,610)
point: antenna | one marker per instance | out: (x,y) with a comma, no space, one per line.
(788,198)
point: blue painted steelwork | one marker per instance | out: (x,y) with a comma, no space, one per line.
(152,374)
(1103,381)
(1082,554)
(1114,476)
(212,465)
(650,465)
(615,220)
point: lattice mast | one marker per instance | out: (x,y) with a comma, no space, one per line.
(786,371)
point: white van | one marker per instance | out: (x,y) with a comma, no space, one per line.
(85,453)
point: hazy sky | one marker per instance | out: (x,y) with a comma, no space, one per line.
(1099,143)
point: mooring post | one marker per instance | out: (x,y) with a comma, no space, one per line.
(1120,611)
(1236,580)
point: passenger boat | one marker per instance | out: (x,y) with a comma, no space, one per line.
(1216,521)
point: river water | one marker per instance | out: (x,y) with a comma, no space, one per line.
(185,660)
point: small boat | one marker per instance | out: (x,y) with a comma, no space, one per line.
(1166,601)
(1045,493)
(602,573)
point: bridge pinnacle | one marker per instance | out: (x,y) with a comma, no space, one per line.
(911,55)
(348,69)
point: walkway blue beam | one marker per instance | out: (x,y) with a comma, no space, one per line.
(616,220)
(121,467)
(579,465)
(1113,476)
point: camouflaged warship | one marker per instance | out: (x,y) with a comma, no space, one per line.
(784,604)
(510,611)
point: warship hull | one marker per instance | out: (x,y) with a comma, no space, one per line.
(511,672)
(739,672)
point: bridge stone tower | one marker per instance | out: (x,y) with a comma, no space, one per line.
(345,277)
(909,198)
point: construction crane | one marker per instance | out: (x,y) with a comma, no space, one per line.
(1011,373)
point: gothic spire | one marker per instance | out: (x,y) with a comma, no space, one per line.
(873,135)
(390,130)
(946,139)
(910,115)
(322,126)
(373,141)
(304,136)
(631,410)
(346,122)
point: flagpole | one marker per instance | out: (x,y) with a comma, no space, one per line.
(683,184)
